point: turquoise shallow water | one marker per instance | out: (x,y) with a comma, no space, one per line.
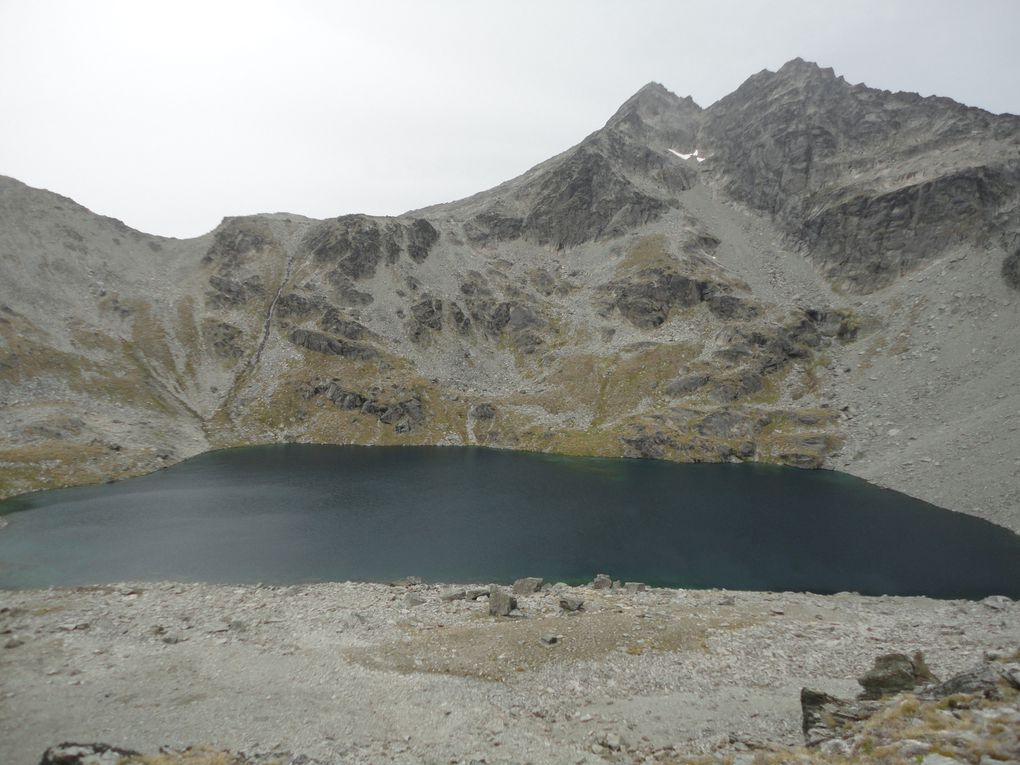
(297,513)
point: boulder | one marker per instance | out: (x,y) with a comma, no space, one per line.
(568,603)
(501,602)
(602,582)
(988,679)
(823,717)
(687,384)
(528,585)
(86,754)
(895,672)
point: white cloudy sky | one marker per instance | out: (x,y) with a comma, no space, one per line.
(170,115)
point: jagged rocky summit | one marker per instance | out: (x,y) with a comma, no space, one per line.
(807,272)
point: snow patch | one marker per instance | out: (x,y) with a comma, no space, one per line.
(693,154)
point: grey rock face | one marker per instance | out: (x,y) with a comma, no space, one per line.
(320,343)
(490,225)
(334,322)
(236,241)
(732,308)
(587,200)
(353,243)
(803,146)
(647,298)
(230,292)
(344,291)
(1011,270)
(294,305)
(421,236)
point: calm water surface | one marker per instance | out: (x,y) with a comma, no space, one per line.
(297,513)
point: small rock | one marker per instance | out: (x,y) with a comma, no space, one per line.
(14,642)
(726,600)
(635,586)
(550,639)
(568,603)
(413,599)
(451,595)
(528,585)
(611,741)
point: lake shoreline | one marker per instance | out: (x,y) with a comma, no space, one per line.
(892,480)
(369,672)
(306,513)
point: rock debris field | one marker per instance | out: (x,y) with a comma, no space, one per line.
(412,672)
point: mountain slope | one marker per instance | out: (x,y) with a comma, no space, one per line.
(831,267)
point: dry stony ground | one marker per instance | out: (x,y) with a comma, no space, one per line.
(365,673)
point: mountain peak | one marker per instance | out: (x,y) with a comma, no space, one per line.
(799,68)
(655,110)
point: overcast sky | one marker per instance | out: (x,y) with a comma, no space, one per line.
(171,115)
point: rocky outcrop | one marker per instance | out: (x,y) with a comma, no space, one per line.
(320,343)
(647,298)
(353,243)
(585,199)
(421,237)
(405,414)
(491,225)
(333,321)
(297,306)
(238,241)
(868,242)
(826,718)
(229,292)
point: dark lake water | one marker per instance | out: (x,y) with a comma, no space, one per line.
(297,513)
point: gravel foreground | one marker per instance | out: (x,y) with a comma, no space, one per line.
(367,673)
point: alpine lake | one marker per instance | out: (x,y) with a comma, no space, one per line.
(289,514)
